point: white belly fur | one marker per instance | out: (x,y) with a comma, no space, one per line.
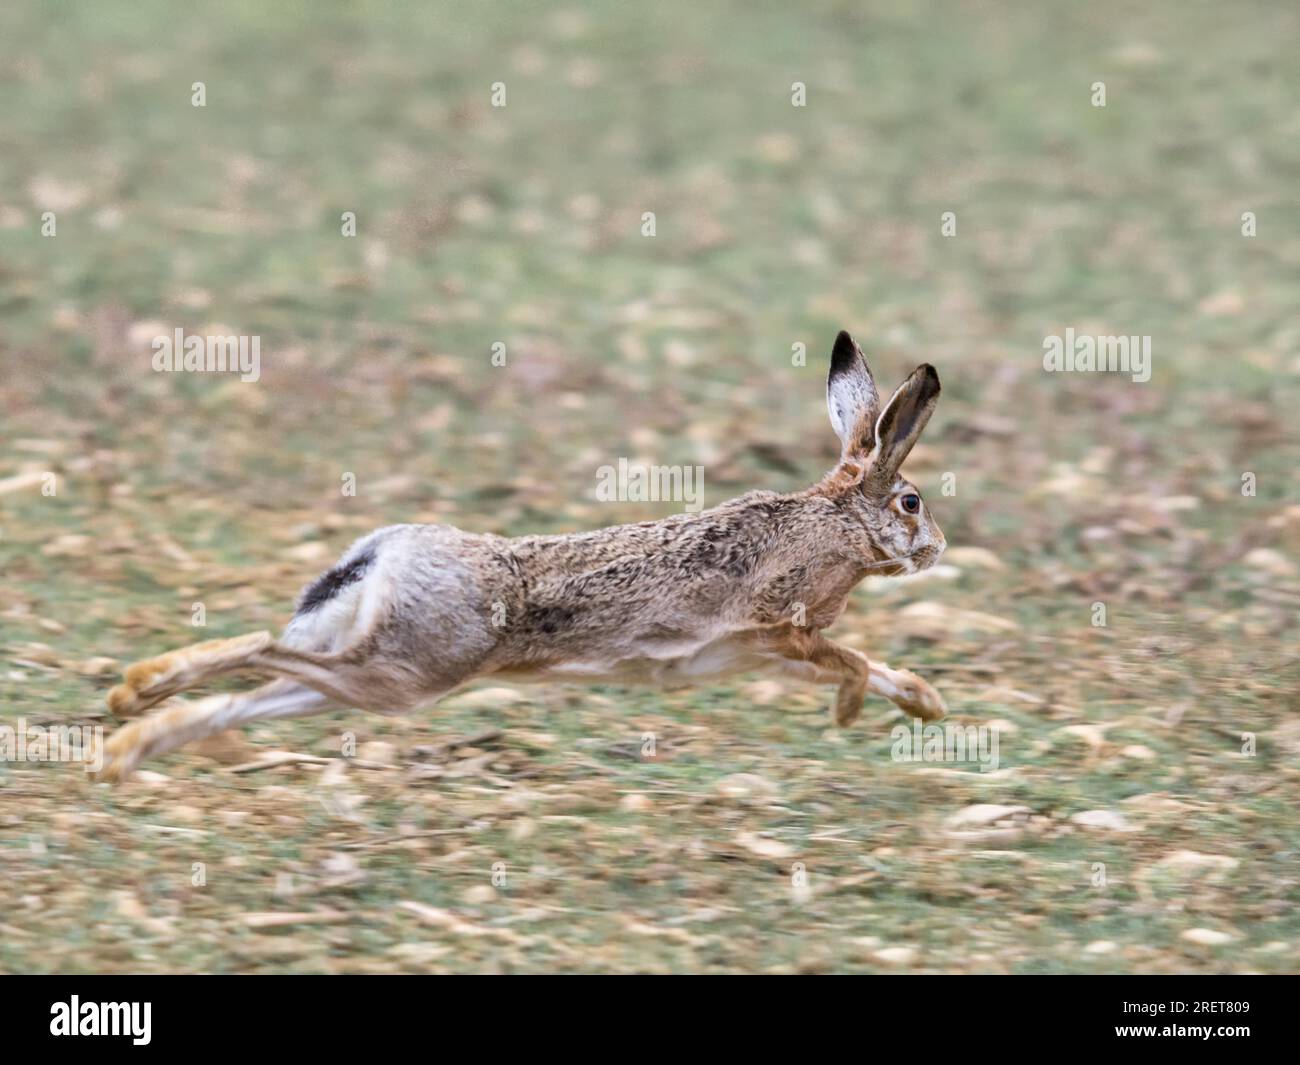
(679,666)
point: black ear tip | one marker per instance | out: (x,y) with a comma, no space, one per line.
(931,376)
(844,354)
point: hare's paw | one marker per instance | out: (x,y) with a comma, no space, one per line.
(918,698)
(123,751)
(147,683)
(125,700)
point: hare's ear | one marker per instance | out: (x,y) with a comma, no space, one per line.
(901,422)
(851,398)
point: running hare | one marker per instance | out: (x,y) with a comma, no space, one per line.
(412,612)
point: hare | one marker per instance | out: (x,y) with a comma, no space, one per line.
(413,612)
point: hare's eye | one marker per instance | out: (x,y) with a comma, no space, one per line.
(911,502)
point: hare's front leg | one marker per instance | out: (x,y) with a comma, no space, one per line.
(810,654)
(907,691)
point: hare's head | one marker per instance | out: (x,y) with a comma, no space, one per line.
(897,532)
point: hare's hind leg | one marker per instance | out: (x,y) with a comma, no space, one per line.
(182,722)
(152,680)
(360,637)
(149,682)
(309,682)
(327,619)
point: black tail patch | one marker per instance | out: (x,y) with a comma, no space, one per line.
(331,582)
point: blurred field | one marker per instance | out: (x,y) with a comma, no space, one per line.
(776,225)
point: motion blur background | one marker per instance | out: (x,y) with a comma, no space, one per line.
(757,838)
